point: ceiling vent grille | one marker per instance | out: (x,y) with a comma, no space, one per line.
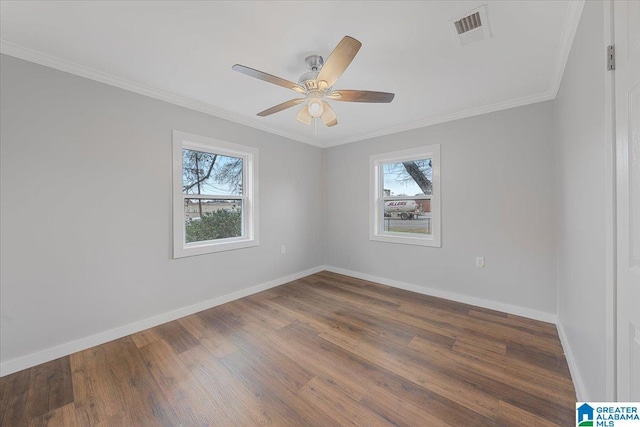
(471,27)
(468,23)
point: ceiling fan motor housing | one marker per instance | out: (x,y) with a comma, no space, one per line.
(309,79)
(315,90)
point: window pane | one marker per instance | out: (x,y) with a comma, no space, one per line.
(410,178)
(407,216)
(207,173)
(212,219)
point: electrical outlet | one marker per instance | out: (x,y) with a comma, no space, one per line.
(480,261)
(283,249)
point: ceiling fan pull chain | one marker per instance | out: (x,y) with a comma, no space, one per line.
(317,84)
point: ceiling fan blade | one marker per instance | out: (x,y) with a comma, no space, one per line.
(268,78)
(361,96)
(332,122)
(338,61)
(304,116)
(281,107)
(328,115)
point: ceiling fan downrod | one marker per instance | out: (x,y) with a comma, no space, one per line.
(317,83)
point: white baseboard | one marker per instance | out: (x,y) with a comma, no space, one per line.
(52,353)
(65,349)
(492,305)
(578,383)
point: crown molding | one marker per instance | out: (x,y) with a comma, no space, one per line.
(505,105)
(569,28)
(41,58)
(571,20)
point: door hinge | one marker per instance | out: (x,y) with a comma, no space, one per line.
(611,58)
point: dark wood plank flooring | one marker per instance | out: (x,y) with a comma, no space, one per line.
(320,351)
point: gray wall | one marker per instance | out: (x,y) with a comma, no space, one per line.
(581,154)
(498,195)
(86,209)
(85,213)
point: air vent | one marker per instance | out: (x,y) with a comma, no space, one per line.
(468,23)
(471,27)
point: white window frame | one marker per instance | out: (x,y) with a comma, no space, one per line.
(377,198)
(249,198)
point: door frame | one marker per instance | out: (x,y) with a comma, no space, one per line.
(610,203)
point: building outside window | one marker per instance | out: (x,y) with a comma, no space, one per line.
(405,196)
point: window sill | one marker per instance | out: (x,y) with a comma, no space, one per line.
(202,248)
(430,241)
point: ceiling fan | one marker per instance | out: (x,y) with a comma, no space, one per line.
(317,84)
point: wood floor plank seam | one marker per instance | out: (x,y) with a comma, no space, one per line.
(323,350)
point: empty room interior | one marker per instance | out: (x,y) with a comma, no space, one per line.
(409,213)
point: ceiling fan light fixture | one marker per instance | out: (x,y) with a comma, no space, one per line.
(317,84)
(315,107)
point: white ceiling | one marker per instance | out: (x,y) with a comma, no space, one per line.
(182,52)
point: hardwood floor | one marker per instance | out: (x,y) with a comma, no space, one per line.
(320,351)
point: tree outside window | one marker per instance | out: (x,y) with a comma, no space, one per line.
(405,197)
(216,195)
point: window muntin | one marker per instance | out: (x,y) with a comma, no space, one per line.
(405,189)
(215,195)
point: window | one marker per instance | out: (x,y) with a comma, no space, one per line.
(215,195)
(405,196)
